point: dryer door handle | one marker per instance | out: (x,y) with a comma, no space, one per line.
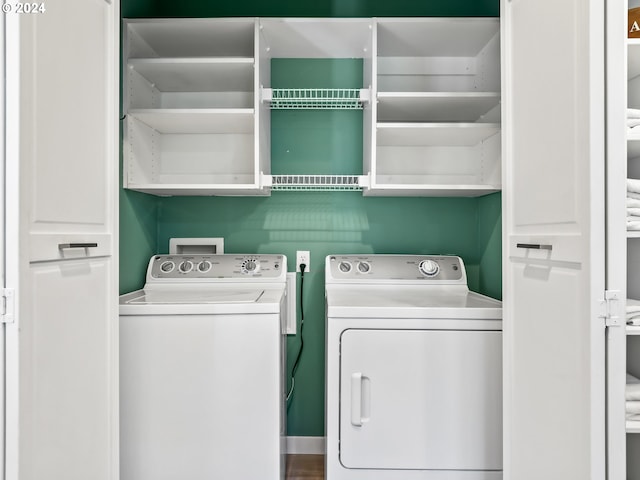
(360,399)
(356,399)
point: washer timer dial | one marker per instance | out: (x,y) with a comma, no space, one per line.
(429,268)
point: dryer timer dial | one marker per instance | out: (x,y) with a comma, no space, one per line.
(250,266)
(429,268)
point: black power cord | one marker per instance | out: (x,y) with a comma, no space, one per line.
(297,361)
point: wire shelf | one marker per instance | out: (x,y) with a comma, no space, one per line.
(314,98)
(317,183)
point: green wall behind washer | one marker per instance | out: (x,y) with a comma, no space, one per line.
(322,222)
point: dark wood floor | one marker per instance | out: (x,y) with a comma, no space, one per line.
(305,467)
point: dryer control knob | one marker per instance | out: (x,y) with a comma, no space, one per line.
(250,265)
(429,268)
(186,266)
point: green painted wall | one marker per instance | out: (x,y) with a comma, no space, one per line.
(310,8)
(324,223)
(490,245)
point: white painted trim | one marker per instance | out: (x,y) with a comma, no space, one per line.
(292,313)
(306,445)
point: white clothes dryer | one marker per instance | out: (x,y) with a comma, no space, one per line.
(202,364)
(413,371)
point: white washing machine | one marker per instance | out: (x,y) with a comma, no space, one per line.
(414,371)
(202,364)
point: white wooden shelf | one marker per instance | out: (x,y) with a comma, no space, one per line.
(435,106)
(196,121)
(633,330)
(431,190)
(196,74)
(200,189)
(633,234)
(435,134)
(633,426)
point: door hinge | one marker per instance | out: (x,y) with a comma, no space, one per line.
(610,308)
(7,312)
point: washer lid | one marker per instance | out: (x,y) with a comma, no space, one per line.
(191,297)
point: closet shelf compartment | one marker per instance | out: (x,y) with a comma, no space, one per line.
(436,106)
(315,98)
(197,121)
(317,183)
(196,74)
(633,48)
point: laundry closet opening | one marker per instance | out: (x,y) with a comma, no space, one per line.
(338,222)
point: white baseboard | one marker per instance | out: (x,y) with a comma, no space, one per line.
(305,445)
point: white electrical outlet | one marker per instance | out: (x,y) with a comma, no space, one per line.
(303,256)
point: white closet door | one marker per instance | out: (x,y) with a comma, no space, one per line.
(553,211)
(61,173)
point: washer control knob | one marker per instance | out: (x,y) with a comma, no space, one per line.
(429,268)
(345,267)
(204,266)
(186,266)
(167,266)
(251,265)
(364,267)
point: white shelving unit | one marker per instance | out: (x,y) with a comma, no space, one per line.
(198,96)
(437,90)
(631,356)
(192,119)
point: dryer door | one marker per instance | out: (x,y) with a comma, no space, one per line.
(424,400)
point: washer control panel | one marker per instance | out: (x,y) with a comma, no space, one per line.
(363,268)
(216,266)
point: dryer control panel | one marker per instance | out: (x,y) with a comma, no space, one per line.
(436,269)
(228,266)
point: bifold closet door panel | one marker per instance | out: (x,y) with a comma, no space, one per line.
(553,261)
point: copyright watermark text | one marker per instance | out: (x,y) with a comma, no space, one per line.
(19,7)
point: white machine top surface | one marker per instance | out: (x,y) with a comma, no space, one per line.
(403,286)
(189,297)
(201,284)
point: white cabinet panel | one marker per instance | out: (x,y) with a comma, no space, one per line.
(63,134)
(442,389)
(59,383)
